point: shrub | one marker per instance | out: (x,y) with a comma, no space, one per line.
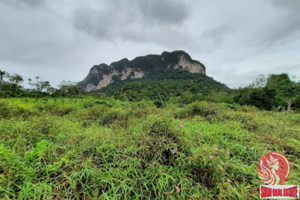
(8,111)
(103,115)
(202,108)
(55,110)
(250,109)
(159,142)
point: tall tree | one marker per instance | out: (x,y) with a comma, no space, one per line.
(286,89)
(2,74)
(30,82)
(37,84)
(259,82)
(16,78)
(45,85)
(69,88)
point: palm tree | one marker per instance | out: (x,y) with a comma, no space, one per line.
(2,74)
(16,78)
(38,84)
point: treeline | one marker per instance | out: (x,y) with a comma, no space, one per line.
(10,86)
(165,85)
(276,92)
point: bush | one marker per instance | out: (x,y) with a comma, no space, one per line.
(262,98)
(202,108)
(159,142)
(103,115)
(8,111)
(55,110)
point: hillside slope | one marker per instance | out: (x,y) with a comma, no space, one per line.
(163,85)
(100,76)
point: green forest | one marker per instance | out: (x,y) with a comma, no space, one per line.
(275,92)
(170,137)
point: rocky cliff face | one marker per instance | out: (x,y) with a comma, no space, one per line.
(102,75)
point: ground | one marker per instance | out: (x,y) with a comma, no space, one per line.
(91,148)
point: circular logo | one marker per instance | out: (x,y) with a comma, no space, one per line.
(273,168)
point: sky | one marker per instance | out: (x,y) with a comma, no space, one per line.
(236,40)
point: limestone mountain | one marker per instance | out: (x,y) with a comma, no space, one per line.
(103,75)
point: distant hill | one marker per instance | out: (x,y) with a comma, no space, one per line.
(174,72)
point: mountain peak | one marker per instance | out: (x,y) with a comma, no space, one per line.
(102,75)
(175,53)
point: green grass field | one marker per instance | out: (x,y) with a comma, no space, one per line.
(107,149)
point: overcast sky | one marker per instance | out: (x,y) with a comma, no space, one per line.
(237,40)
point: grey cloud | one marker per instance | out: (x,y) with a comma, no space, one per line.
(286,26)
(113,20)
(216,36)
(107,20)
(164,11)
(22,3)
(97,23)
(61,40)
(290,5)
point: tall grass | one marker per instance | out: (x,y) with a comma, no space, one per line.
(107,149)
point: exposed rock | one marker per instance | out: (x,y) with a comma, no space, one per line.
(192,67)
(102,75)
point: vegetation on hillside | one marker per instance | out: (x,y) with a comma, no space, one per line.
(277,92)
(162,85)
(101,148)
